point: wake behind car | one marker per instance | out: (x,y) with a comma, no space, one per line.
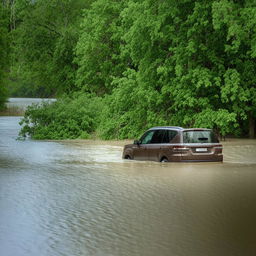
(175,144)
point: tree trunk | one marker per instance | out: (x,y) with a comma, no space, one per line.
(251,126)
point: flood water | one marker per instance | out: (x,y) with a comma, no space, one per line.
(80,198)
(23,103)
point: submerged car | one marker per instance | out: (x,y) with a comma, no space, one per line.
(175,144)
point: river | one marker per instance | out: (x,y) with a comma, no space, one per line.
(71,198)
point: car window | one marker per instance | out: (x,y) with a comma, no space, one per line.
(171,135)
(165,137)
(199,137)
(158,136)
(146,138)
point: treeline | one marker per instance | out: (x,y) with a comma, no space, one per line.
(4,50)
(122,66)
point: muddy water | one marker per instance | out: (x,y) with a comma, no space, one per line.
(80,198)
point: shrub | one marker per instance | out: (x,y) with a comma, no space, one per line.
(70,117)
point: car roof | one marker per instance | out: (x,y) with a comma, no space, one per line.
(197,129)
(178,128)
(166,127)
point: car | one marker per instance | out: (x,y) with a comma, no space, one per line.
(175,144)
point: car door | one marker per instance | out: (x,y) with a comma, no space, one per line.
(155,145)
(140,151)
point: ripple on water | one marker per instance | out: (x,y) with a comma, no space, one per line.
(81,198)
(240,151)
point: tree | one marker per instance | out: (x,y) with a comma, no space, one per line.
(186,63)
(43,46)
(98,47)
(4,49)
(183,58)
(237,21)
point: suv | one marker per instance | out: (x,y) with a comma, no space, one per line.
(171,143)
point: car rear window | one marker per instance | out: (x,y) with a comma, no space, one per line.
(199,137)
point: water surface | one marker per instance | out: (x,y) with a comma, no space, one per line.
(23,103)
(80,198)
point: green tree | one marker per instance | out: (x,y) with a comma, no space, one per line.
(4,49)
(130,109)
(43,45)
(154,62)
(237,22)
(187,63)
(179,56)
(98,47)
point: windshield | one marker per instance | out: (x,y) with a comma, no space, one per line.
(199,137)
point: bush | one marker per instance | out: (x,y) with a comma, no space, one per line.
(68,118)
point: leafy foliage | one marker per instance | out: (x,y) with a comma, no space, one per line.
(68,118)
(4,49)
(194,69)
(152,62)
(43,47)
(129,110)
(98,47)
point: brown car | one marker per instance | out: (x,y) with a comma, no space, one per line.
(171,143)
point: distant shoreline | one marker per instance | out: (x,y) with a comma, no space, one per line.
(12,111)
(16,106)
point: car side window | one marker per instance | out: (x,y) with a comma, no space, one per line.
(158,137)
(146,138)
(166,137)
(171,135)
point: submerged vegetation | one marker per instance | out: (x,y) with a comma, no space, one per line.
(119,67)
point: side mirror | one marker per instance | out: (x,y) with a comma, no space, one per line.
(137,142)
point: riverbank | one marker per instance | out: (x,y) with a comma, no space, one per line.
(65,119)
(12,111)
(18,106)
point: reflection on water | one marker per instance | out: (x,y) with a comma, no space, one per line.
(81,198)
